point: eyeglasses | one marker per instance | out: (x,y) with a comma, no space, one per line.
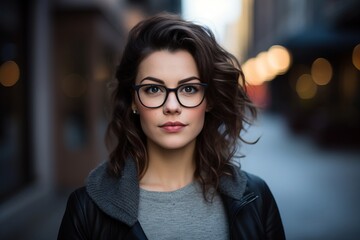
(189,95)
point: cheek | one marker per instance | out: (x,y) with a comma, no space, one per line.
(147,119)
(198,116)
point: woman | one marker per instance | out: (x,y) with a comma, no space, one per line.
(178,110)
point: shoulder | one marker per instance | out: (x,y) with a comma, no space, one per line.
(74,222)
(259,186)
(83,219)
(254,185)
(79,200)
(255,182)
(258,203)
(265,206)
(240,183)
(81,207)
(80,194)
(265,203)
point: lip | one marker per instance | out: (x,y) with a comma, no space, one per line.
(172,127)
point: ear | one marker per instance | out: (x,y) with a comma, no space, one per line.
(133,106)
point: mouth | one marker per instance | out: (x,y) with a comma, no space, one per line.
(169,124)
(173,126)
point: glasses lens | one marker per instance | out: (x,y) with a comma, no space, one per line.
(152,95)
(191,95)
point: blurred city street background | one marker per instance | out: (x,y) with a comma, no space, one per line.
(301,59)
(317,190)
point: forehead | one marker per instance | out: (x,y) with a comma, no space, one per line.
(168,66)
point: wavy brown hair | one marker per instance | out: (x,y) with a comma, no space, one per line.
(230,107)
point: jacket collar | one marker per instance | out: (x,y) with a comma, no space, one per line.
(119,197)
(233,186)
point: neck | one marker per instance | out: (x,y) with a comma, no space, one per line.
(169,170)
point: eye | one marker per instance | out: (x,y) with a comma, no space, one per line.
(189,89)
(152,89)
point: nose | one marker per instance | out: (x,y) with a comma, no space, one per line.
(171,104)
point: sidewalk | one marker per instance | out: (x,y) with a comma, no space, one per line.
(318,191)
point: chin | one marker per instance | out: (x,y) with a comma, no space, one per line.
(174,144)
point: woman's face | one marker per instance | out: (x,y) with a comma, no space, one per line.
(170,126)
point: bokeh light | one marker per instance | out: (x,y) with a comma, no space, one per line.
(279,59)
(267,65)
(321,71)
(305,87)
(251,75)
(9,73)
(356,56)
(263,67)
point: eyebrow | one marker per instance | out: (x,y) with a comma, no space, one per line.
(162,82)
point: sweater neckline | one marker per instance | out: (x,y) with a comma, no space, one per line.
(119,197)
(170,195)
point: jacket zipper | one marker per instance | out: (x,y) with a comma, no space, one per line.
(244,201)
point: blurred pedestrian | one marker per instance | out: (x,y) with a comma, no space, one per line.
(178,109)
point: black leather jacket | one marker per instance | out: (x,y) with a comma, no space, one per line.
(99,212)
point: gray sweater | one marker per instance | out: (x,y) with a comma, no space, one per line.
(182,214)
(119,197)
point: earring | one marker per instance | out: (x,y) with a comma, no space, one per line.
(135,111)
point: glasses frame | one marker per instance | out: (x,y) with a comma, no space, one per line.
(168,91)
